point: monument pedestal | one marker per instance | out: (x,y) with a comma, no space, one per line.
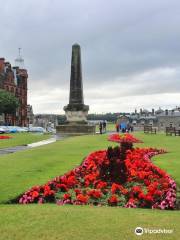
(75,129)
(76,116)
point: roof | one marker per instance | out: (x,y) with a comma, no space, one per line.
(171,113)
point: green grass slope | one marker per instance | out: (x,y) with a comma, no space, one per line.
(51,222)
(22,139)
(21,170)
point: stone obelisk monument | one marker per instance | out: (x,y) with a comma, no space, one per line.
(76,111)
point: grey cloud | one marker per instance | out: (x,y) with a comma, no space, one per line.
(119,40)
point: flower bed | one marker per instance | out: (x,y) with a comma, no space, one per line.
(120,176)
(5,137)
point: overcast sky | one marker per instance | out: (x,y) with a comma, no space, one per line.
(130,51)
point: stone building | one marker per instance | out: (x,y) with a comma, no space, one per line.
(138,119)
(169,118)
(159,119)
(14,80)
(30,115)
(45,120)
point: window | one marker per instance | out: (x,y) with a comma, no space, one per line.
(171,124)
(142,122)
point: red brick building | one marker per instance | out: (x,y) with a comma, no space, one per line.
(14,80)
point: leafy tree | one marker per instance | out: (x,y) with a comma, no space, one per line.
(8,102)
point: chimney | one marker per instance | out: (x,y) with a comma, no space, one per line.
(166,112)
(2,65)
(7,65)
(15,74)
(153,111)
(141,111)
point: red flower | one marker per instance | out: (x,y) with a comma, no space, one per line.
(62,187)
(141,196)
(91,177)
(114,188)
(49,193)
(158,193)
(152,186)
(47,188)
(95,193)
(118,188)
(123,138)
(113,200)
(77,191)
(66,196)
(5,137)
(101,185)
(71,181)
(35,194)
(148,198)
(136,189)
(82,198)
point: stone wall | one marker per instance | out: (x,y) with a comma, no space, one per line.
(166,121)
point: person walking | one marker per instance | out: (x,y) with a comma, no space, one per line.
(104,126)
(100,127)
(117,127)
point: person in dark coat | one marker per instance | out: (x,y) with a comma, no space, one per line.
(100,127)
(104,126)
(117,127)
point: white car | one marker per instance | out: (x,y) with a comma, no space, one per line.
(3,129)
(37,129)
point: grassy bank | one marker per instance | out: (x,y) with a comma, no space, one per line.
(19,139)
(21,170)
(50,222)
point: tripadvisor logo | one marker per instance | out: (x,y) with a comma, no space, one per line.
(139,231)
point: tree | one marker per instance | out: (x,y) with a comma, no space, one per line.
(8,102)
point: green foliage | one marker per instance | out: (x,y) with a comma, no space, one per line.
(8,102)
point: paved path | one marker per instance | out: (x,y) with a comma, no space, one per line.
(12,149)
(36,144)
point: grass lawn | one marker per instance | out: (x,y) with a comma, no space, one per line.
(22,139)
(21,170)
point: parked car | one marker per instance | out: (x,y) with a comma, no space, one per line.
(2,130)
(21,129)
(12,129)
(37,129)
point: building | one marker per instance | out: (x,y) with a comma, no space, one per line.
(30,115)
(169,118)
(138,119)
(45,120)
(14,80)
(159,119)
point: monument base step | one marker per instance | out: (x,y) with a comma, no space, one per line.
(75,130)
